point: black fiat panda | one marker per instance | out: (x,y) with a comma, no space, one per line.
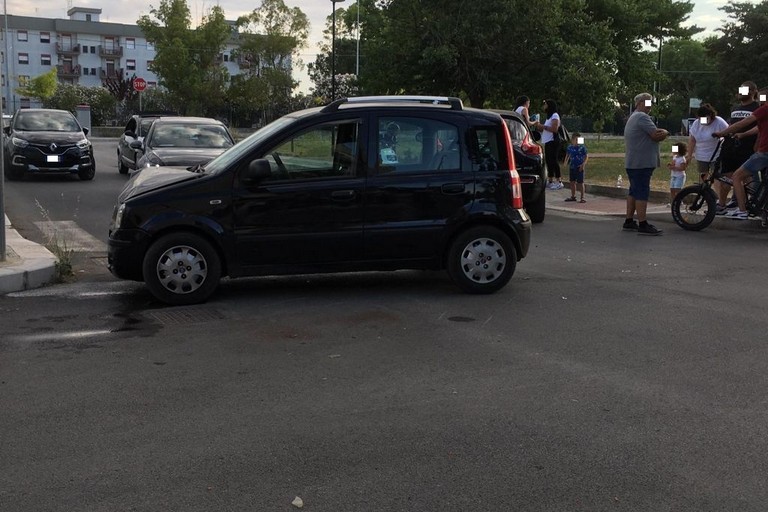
(368,183)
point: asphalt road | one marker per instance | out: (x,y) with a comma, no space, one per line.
(614,372)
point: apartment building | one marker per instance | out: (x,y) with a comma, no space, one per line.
(82,49)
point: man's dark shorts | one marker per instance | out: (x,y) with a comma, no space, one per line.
(575,175)
(640,183)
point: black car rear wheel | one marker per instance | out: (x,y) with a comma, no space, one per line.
(538,208)
(482,260)
(181,268)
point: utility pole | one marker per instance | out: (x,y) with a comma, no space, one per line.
(2,136)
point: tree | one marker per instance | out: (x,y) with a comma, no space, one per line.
(743,48)
(69,96)
(689,72)
(187,60)
(270,39)
(41,87)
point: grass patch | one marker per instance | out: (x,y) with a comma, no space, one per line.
(605,171)
(60,248)
(616,144)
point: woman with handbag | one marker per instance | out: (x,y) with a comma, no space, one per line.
(551,140)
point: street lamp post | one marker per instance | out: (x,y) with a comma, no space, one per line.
(333,49)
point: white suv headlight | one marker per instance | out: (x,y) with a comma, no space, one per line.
(84,144)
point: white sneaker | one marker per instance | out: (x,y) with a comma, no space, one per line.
(559,185)
(551,185)
(738,214)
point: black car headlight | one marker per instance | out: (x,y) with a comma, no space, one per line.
(19,143)
(118,216)
(84,144)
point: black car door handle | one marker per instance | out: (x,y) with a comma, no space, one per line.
(452,188)
(343,195)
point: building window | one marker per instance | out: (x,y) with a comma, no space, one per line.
(130,64)
(45,37)
(3,82)
(150,46)
(85,49)
(130,43)
(149,64)
(88,17)
(23,58)
(151,84)
(45,60)
(226,57)
(23,80)
(22,35)
(93,49)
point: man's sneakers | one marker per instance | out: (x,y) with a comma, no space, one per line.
(642,229)
(552,185)
(648,229)
(721,210)
(737,214)
(629,225)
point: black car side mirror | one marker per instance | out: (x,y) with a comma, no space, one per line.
(85,131)
(257,171)
(129,133)
(535,135)
(136,144)
(7,130)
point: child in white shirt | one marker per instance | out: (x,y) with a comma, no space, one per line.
(677,169)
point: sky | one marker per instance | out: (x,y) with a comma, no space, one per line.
(705,14)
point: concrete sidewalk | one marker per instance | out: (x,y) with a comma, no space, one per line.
(601,200)
(27,264)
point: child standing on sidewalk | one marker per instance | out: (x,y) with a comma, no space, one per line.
(576,157)
(677,170)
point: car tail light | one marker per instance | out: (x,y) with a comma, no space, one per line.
(528,147)
(514,178)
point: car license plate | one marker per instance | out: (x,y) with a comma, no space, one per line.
(53,158)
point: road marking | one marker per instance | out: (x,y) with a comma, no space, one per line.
(69,235)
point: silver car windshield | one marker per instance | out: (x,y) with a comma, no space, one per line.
(167,135)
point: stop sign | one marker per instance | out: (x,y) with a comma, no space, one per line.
(139,84)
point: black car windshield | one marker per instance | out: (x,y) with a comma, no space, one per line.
(167,135)
(46,121)
(242,148)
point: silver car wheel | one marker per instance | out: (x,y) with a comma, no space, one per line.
(181,269)
(483,260)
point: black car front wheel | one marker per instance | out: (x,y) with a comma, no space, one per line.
(482,259)
(181,268)
(87,174)
(121,168)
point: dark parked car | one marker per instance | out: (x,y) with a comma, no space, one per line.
(529,160)
(183,142)
(375,183)
(135,130)
(47,141)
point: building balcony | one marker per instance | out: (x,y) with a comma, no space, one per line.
(105,73)
(110,52)
(68,71)
(67,49)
